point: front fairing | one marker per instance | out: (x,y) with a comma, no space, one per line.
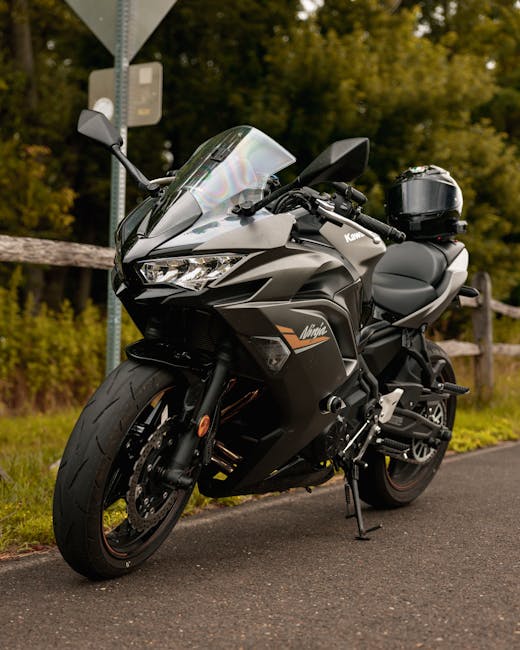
(232,167)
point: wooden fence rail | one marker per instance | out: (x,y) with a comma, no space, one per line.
(483,349)
(55,253)
(59,253)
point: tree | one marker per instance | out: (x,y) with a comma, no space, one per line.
(214,56)
(415,98)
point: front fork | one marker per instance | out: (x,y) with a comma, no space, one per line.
(197,421)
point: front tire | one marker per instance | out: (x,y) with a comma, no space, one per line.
(104,526)
(391,483)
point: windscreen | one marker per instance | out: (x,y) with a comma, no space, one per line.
(230,168)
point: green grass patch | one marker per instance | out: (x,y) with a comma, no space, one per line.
(29,445)
(482,425)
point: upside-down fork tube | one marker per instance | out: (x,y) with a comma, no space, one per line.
(175,474)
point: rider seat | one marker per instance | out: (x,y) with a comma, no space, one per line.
(410,275)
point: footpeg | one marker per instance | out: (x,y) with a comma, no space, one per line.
(454,389)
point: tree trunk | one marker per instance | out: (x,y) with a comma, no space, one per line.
(83,290)
(55,287)
(35,284)
(22,47)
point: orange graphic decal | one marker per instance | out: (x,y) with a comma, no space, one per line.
(296,342)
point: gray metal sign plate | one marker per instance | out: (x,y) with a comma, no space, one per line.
(100,17)
(144,93)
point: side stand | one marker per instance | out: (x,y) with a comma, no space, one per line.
(351,489)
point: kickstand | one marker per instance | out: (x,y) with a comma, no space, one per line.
(351,488)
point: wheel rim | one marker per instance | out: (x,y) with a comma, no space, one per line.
(136,505)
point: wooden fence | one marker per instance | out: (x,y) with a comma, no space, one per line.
(58,253)
(483,349)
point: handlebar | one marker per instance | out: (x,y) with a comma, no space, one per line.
(388,232)
(348,215)
(350,193)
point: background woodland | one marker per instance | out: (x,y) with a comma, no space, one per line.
(427,82)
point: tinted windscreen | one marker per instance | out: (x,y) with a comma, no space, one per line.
(232,167)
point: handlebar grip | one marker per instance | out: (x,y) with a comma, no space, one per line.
(350,192)
(388,232)
(358,196)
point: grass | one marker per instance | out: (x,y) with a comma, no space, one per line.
(29,448)
(482,425)
(29,445)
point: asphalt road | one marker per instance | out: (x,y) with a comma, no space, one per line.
(286,572)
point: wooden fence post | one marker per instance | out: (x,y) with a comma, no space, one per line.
(482,318)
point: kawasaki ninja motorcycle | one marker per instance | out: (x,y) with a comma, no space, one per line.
(282,342)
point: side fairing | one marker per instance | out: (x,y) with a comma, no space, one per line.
(315,369)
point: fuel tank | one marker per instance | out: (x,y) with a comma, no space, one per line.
(361,251)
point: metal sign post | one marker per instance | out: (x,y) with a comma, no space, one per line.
(118,175)
(122,26)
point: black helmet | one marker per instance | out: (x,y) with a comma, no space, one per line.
(425,203)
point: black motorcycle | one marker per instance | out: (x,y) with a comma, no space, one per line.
(282,342)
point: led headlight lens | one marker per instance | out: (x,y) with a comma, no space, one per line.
(188,272)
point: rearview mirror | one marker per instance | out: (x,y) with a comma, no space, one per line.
(95,125)
(341,161)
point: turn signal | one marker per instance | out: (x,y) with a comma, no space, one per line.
(204,424)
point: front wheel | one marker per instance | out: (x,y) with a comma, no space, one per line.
(388,482)
(111,511)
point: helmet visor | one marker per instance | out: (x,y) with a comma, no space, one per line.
(423,196)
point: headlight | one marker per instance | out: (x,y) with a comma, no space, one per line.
(188,272)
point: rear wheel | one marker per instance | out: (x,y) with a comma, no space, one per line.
(389,482)
(111,510)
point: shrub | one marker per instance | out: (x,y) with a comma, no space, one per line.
(49,358)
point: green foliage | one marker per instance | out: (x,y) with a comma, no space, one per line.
(488,170)
(426,81)
(477,429)
(414,97)
(479,425)
(35,207)
(50,358)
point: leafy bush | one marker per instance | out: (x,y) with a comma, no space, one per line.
(49,358)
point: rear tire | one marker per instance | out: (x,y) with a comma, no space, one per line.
(105,456)
(391,483)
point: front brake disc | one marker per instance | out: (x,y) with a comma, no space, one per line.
(148,499)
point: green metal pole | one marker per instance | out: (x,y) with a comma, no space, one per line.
(118,174)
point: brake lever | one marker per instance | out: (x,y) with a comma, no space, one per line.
(324,209)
